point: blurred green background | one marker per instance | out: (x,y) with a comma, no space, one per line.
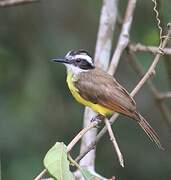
(36,108)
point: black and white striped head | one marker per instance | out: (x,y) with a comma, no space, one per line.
(77,61)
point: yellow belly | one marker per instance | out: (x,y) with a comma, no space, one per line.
(96,107)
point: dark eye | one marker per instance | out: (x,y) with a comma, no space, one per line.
(78,60)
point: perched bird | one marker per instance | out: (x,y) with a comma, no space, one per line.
(98,90)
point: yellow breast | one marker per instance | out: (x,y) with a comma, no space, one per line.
(96,107)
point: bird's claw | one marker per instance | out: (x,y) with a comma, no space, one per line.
(98,119)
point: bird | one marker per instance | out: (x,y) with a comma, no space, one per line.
(95,88)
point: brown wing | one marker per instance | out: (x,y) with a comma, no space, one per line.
(100,88)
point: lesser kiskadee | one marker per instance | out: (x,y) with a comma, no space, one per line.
(98,90)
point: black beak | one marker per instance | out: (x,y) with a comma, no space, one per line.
(60,60)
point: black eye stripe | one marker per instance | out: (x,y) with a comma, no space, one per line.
(83,64)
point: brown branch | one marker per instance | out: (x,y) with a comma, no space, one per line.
(80,135)
(164,95)
(114,142)
(43,173)
(167,63)
(151,49)
(165,112)
(151,69)
(5,3)
(167,58)
(124,36)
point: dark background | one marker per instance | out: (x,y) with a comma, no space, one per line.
(36,108)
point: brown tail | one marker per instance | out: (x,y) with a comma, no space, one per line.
(148,130)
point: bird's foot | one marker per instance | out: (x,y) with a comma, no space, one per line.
(98,118)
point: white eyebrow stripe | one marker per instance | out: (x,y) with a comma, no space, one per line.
(86,57)
(68,54)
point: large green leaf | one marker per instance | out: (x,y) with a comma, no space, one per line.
(57,164)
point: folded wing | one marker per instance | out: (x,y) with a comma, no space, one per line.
(100,88)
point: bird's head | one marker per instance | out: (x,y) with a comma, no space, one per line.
(77,61)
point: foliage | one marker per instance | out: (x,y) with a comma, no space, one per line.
(57,164)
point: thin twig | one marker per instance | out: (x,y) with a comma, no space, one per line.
(167,58)
(80,135)
(72,143)
(158,20)
(124,36)
(144,48)
(164,95)
(114,142)
(151,69)
(39,177)
(140,71)
(6,3)
(74,163)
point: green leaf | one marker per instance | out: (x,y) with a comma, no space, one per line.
(57,164)
(86,174)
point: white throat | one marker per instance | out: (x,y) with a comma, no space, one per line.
(74,70)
